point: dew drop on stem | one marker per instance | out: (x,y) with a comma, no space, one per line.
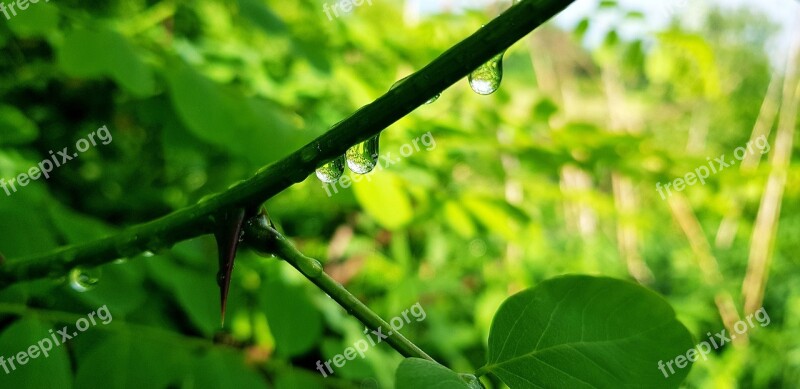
(331,171)
(312,269)
(486,79)
(84,279)
(363,157)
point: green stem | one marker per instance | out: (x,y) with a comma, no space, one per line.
(452,66)
(267,239)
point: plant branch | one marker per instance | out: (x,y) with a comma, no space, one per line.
(265,238)
(452,66)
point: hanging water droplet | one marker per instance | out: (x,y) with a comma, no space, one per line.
(486,79)
(363,157)
(434,98)
(128,247)
(331,171)
(83,280)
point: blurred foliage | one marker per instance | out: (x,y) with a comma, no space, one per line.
(200,94)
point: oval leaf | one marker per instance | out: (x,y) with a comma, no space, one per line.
(420,373)
(26,336)
(586,332)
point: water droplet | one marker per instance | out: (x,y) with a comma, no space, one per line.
(129,247)
(148,254)
(486,79)
(157,245)
(206,198)
(84,279)
(220,278)
(308,154)
(433,99)
(235,184)
(472,381)
(363,157)
(312,269)
(331,171)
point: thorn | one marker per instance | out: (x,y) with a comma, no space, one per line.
(227,235)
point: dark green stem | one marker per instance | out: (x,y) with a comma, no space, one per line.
(452,66)
(267,239)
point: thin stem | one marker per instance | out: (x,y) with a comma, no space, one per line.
(267,239)
(452,66)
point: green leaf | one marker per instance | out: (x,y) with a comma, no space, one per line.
(586,332)
(421,373)
(296,378)
(195,291)
(293,320)
(119,287)
(222,370)
(257,130)
(105,53)
(581,28)
(50,371)
(384,197)
(607,4)
(38,20)
(15,127)
(260,15)
(23,229)
(131,361)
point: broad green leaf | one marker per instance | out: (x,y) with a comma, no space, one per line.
(293,319)
(263,17)
(222,370)
(253,129)
(45,371)
(131,361)
(38,20)
(195,291)
(296,378)
(15,127)
(76,227)
(384,197)
(23,229)
(105,53)
(424,374)
(586,332)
